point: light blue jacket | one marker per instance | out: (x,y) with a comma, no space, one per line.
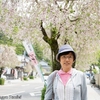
(79,86)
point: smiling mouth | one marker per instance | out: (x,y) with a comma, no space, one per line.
(66,63)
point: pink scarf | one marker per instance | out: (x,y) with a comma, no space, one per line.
(65,76)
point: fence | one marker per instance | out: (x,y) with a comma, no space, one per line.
(97,78)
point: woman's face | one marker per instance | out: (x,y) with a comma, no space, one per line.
(66,61)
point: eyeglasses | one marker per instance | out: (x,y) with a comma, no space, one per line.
(67,57)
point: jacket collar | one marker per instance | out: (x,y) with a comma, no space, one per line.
(74,72)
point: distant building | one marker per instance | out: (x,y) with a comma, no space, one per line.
(45,67)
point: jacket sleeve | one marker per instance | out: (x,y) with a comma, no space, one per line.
(49,88)
(84,88)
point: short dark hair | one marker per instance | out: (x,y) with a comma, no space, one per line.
(66,53)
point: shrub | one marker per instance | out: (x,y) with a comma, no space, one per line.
(2,81)
(43,92)
(95,71)
(25,78)
(31,77)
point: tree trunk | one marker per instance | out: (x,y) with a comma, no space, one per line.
(53,45)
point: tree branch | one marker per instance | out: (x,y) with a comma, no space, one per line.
(42,29)
(58,35)
(45,36)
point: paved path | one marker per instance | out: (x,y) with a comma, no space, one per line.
(93,92)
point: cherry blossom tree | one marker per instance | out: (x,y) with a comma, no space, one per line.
(77,21)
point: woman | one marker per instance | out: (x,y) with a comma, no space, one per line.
(66,83)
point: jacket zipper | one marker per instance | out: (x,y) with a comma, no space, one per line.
(64,92)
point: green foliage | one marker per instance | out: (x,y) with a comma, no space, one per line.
(54,30)
(48,10)
(25,78)
(9,41)
(16,29)
(71,11)
(43,93)
(49,62)
(19,49)
(98,59)
(95,71)
(38,51)
(31,77)
(4,39)
(88,14)
(2,81)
